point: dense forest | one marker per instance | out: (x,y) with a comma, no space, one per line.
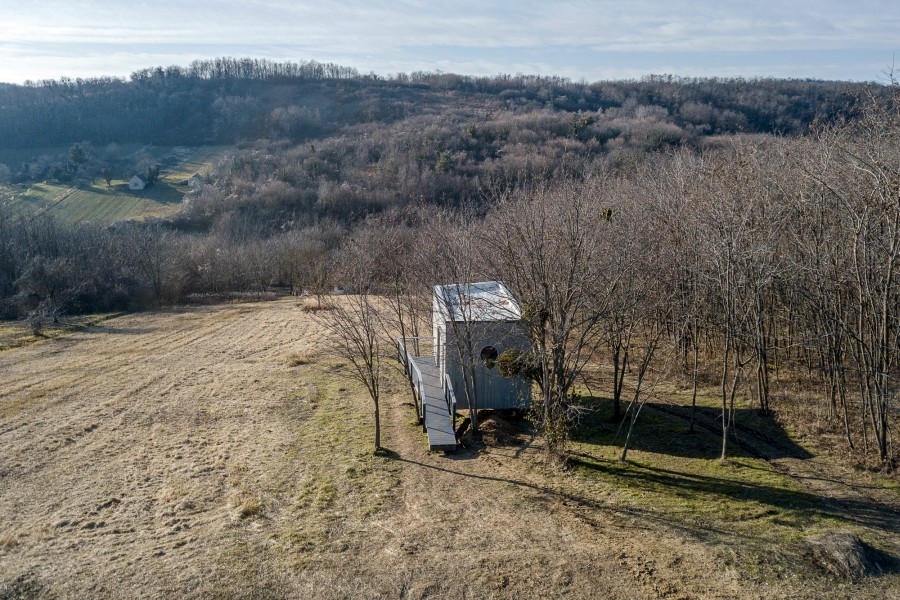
(753,223)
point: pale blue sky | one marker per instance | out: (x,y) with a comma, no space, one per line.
(827,39)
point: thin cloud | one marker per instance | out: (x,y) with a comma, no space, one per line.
(39,40)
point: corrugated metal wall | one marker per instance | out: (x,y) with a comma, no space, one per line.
(494,391)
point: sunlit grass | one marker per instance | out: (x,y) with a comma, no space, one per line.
(94,202)
(332,479)
(15,334)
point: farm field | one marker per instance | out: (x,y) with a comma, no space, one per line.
(83,201)
(220,451)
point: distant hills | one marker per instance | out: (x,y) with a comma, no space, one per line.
(226,101)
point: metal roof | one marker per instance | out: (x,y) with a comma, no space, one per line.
(485,301)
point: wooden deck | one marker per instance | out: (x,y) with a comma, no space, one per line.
(436,416)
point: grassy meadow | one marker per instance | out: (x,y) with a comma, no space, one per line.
(759,508)
(86,201)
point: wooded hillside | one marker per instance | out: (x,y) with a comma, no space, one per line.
(226,100)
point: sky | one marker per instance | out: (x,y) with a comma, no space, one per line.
(579,39)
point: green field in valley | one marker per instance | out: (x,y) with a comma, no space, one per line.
(86,201)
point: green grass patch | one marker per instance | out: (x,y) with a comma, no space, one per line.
(200,160)
(94,203)
(333,478)
(675,478)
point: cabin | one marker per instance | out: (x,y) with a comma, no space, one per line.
(472,324)
(137,183)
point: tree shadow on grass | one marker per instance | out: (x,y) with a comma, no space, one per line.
(785,507)
(99,328)
(386,453)
(165,193)
(789,507)
(713,506)
(664,429)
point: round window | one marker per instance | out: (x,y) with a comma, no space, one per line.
(489,356)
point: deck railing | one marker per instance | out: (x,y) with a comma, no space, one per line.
(450,397)
(413,347)
(416,346)
(413,374)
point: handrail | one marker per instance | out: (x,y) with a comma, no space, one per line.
(414,368)
(401,352)
(449,395)
(422,345)
(413,373)
(419,376)
(405,356)
(417,379)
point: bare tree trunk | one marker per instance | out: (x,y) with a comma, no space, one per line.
(694,379)
(621,346)
(726,355)
(377,425)
(637,401)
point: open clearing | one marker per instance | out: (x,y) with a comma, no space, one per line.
(84,201)
(220,452)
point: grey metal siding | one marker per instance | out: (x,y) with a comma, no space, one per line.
(493,390)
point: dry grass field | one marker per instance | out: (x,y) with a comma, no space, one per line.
(219,451)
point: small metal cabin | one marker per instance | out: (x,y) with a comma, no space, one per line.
(472,324)
(486,315)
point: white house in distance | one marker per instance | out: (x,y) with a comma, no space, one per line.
(472,324)
(137,183)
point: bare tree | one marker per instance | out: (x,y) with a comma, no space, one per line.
(635,277)
(316,272)
(156,251)
(647,354)
(390,248)
(858,166)
(450,254)
(550,245)
(726,219)
(357,330)
(649,291)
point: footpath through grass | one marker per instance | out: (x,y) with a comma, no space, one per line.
(342,481)
(312,511)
